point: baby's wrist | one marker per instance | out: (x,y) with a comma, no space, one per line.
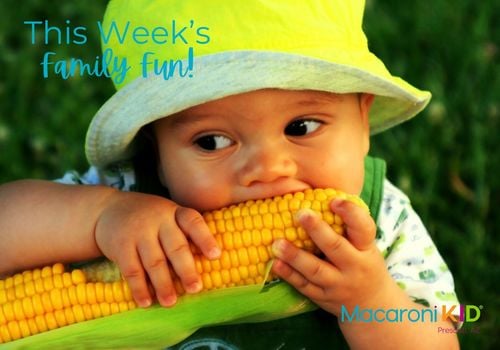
(387,295)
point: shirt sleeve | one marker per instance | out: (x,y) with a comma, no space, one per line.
(411,256)
(119,176)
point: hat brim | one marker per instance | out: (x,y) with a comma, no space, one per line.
(145,100)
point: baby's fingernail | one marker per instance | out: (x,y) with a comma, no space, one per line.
(337,202)
(278,247)
(144,303)
(194,287)
(304,213)
(169,300)
(214,253)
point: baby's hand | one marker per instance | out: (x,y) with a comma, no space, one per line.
(142,233)
(353,271)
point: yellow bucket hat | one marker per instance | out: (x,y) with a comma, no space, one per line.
(212,49)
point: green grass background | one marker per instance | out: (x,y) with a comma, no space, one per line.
(447,159)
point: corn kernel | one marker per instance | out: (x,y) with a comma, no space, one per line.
(17,279)
(19,291)
(253,255)
(14,330)
(56,299)
(105,309)
(118,292)
(5,334)
(238,223)
(17,307)
(257,222)
(235,211)
(46,303)
(69,316)
(50,320)
(233,256)
(224,260)
(46,271)
(247,222)
(78,312)
(235,275)
(287,219)
(265,234)
(58,281)
(291,234)
(60,318)
(40,323)
(227,238)
(32,326)
(122,306)
(36,301)
(48,284)
(108,293)
(77,276)
(220,226)
(243,271)
(205,263)
(237,241)
(81,293)
(99,292)
(243,257)
(254,209)
(216,279)
(87,312)
(206,280)
(229,225)
(29,288)
(225,276)
(246,238)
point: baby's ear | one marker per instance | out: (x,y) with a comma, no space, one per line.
(365,102)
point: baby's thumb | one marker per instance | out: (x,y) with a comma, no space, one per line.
(360,226)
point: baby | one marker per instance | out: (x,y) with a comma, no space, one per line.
(261,115)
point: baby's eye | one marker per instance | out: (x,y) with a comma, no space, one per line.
(302,127)
(213,142)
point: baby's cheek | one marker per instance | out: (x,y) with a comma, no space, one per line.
(202,195)
(346,176)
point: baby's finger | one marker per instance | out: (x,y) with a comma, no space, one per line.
(336,248)
(133,273)
(192,224)
(314,269)
(297,280)
(360,226)
(178,252)
(155,263)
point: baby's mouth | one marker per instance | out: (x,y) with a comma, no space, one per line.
(274,189)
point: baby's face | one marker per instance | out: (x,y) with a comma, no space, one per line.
(262,144)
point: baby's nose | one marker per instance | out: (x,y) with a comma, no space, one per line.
(267,165)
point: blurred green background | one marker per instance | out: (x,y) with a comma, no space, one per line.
(446,159)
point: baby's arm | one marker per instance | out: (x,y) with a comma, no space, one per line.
(354,274)
(42,222)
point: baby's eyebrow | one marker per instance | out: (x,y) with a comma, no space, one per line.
(182,119)
(319,99)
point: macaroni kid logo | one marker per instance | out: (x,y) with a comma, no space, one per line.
(468,313)
(455,313)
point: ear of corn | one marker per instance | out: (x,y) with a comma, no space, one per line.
(42,302)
